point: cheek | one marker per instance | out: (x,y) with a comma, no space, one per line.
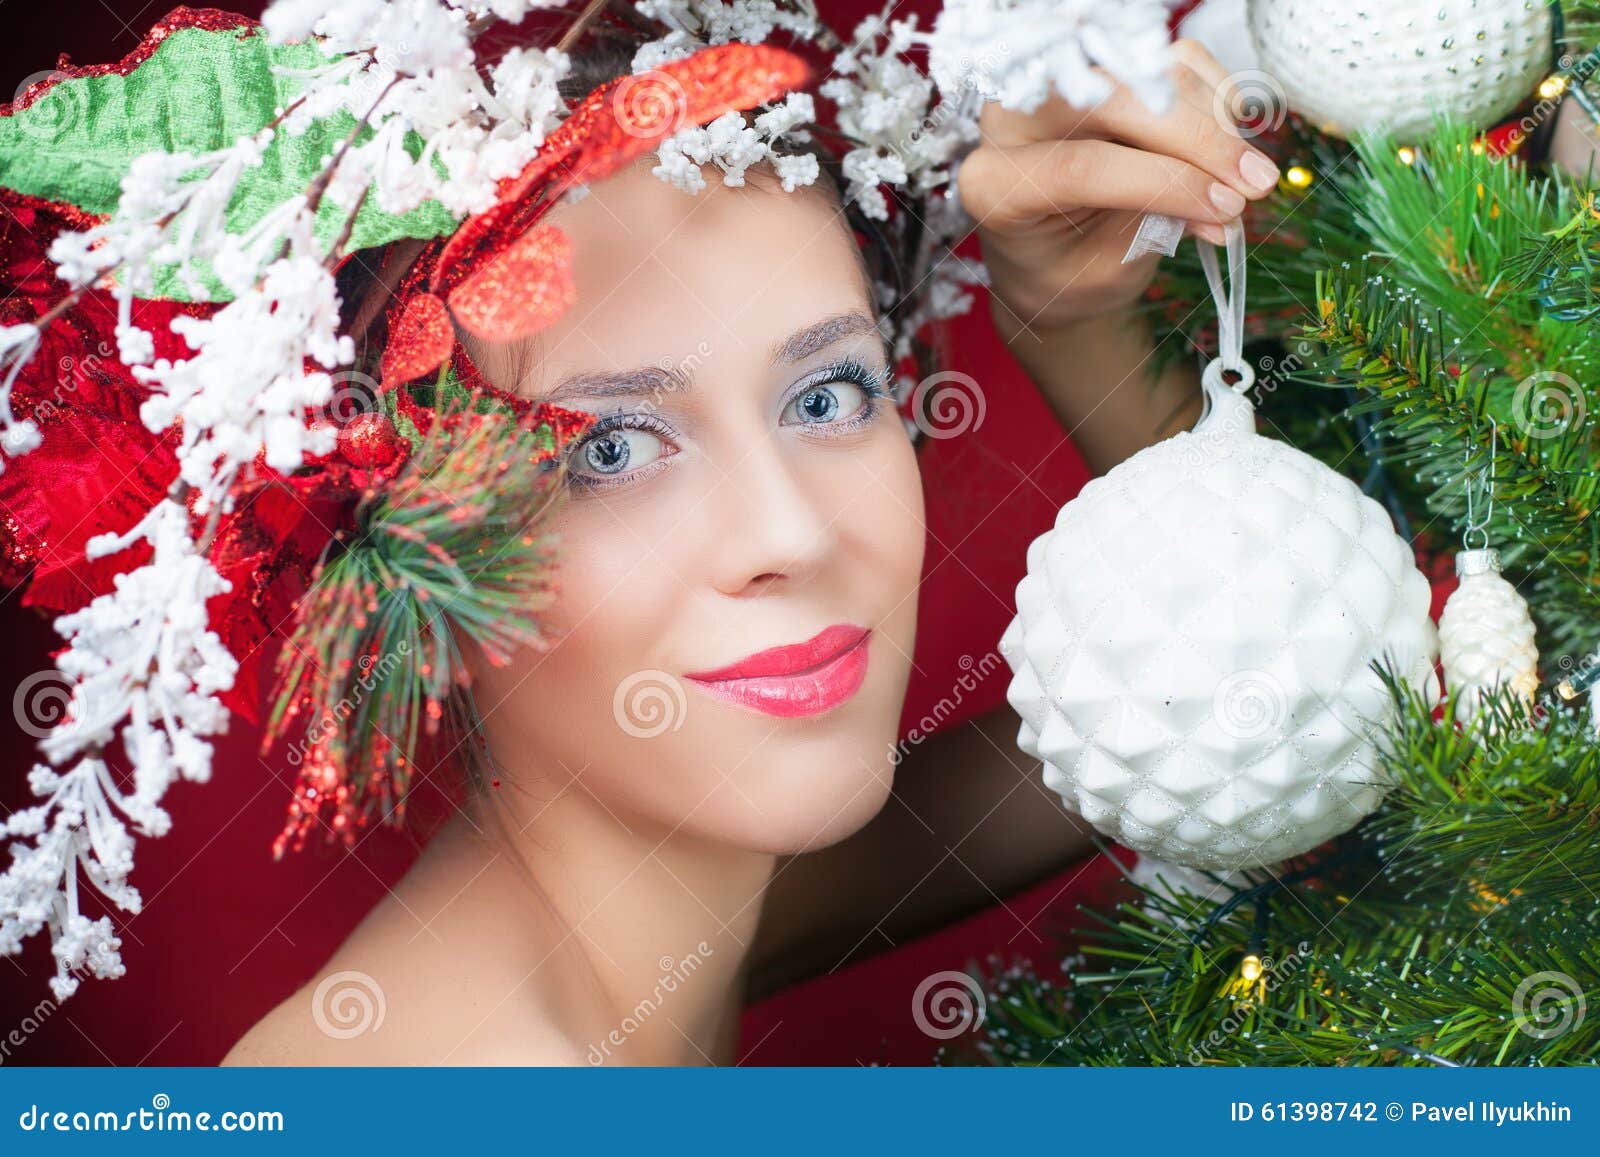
(617,595)
(879,516)
(905,531)
(602,702)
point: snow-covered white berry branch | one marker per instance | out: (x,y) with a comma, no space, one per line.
(144,664)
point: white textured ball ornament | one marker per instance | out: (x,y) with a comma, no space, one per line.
(1193,644)
(1349,67)
(1486,636)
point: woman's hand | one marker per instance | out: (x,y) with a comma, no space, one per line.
(1057,193)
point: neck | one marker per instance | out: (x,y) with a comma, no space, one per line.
(654,922)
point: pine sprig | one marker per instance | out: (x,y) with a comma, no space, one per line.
(1510,806)
(455,551)
(1440,413)
(1458,925)
(1451,220)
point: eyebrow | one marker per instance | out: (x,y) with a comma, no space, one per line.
(659,379)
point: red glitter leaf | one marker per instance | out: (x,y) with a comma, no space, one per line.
(420,340)
(520,290)
(615,124)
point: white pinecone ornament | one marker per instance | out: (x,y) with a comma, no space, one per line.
(1486,635)
(1349,67)
(1193,644)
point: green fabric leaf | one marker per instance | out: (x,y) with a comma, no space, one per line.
(198,91)
(447,395)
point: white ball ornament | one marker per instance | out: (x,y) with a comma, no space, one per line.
(1194,643)
(1351,67)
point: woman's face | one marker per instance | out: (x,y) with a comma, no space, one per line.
(740,552)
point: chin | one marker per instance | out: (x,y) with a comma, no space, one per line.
(809,792)
(834,811)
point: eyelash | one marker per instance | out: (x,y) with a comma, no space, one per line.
(872,384)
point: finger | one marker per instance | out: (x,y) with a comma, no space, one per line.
(1033,182)
(1252,97)
(1197,129)
(1055,119)
(1198,59)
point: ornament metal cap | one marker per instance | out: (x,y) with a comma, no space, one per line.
(1471,562)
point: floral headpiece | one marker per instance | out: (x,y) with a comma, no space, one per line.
(198,469)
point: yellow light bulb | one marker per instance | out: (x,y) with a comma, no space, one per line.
(1407,155)
(1551,87)
(1250,967)
(1298,176)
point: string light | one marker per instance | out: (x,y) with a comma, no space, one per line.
(1552,86)
(1407,155)
(1250,986)
(1297,177)
(1574,685)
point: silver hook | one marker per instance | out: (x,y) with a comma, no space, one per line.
(1484,479)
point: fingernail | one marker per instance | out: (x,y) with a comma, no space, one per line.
(1229,202)
(1257,171)
(1206,231)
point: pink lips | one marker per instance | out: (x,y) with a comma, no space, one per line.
(795,680)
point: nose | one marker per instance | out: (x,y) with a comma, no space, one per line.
(773,521)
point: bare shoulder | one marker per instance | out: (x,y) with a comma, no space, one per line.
(344,1017)
(441,972)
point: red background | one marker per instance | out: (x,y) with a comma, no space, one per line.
(226,933)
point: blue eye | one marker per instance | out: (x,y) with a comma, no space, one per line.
(820,405)
(608,455)
(844,396)
(614,450)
